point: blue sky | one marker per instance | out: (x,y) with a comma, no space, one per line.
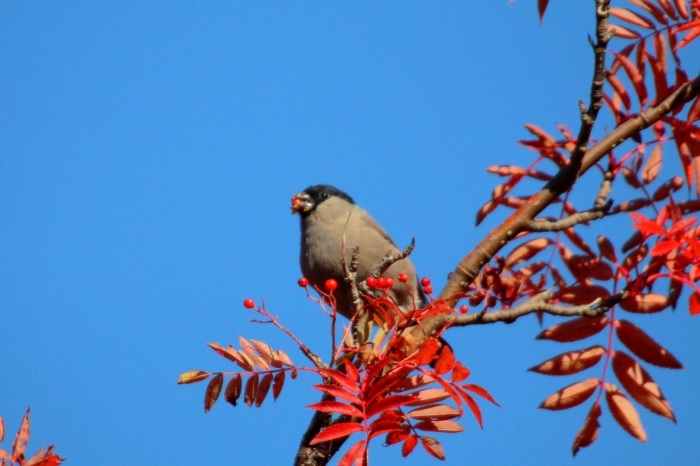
(149,152)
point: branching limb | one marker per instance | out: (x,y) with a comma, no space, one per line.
(318,454)
(539,303)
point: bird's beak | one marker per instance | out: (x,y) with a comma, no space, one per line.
(301,203)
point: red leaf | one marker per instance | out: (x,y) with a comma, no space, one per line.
(19,445)
(428,396)
(408,445)
(541,8)
(572,395)
(263,388)
(427,351)
(623,412)
(459,372)
(481,392)
(386,383)
(570,362)
(644,347)
(473,407)
(339,393)
(341,379)
(336,407)
(234,387)
(382,426)
(278,384)
(433,447)
(213,391)
(691,36)
(251,389)
(694,304)
(694,111)
(388,403)
(589,432)
(645,303)
(682,9)
(640,385)
(623,32)
(446,361)
(336,431)
(355,455)
(635,76)
(649,6)
(575,329)
(527,251)
(582,294)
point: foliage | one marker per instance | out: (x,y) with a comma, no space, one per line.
(390,375)
(44,457)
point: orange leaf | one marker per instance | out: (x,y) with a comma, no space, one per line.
(526,251)
(336,431)
(251,388)
(624,413)
(575,329)
(571,362)
(213,391)
(415,381)
(435,412)
(651,8)
(645,303)
(429,395)
(278,384)
(193,376)
(355,455)
(263,388)
(644,347)
(21,439)
(589,432)
(233,355)
(572,395)
(408,445)
(446,427)
(640,385)
(682,9)
(2,430)
(632,17)
(653,166)
(622,32)
(233,389)
(433,447)
(336,407)
(446,361)
(473,407)
(635,76)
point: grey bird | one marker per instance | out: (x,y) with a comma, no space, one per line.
(327,214)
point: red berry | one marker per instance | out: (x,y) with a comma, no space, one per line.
(303,282)
(371,282)
(248,303)
(403,278)
(331,284)
(381,282)
(389,282)
(425,281)
(428,289)
(464,309)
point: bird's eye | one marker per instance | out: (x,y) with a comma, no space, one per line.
(324,195)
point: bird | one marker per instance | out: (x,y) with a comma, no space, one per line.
(328,216)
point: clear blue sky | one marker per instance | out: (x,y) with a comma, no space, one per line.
(148,152)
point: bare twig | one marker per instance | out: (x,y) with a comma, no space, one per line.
(388,260)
